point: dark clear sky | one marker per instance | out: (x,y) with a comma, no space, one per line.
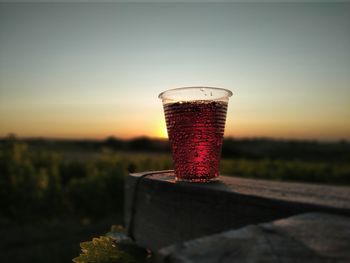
(94,70)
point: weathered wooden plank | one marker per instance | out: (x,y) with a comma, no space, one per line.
(313,237)
(160,212)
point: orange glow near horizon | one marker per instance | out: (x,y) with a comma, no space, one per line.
(157,129)
(94,71)
(162,131)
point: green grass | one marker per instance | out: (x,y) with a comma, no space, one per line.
(282,170)
(45,195)
(43,185)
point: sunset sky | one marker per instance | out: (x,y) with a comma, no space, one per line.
(95,70)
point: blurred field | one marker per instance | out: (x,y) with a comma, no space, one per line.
(54,194)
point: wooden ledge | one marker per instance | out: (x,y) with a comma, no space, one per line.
(160,212)
(311,237)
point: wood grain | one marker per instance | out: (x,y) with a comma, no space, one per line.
(312,237)
(160,212)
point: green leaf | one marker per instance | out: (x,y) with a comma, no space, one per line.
(102,250)
(116,247)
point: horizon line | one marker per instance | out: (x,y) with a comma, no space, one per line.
(338,140)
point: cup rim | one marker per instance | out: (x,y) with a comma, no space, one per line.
(229,92)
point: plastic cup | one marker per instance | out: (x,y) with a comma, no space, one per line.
(195,119)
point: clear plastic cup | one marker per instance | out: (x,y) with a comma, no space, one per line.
(195,119)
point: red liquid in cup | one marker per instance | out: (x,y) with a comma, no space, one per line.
(195,131)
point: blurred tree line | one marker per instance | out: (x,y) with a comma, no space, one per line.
(255,149)
(40,180)
(250,148)
(287,150)
(39,184)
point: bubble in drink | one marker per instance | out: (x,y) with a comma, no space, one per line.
(195,130)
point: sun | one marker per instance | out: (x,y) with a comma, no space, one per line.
(163,133)
(161,130)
